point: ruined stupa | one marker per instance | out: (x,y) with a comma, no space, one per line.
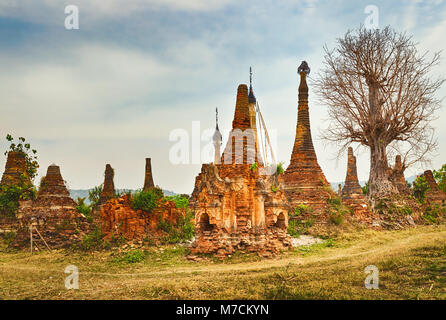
(108,189)
(236,207)
(148,180)
(305,183)
(15,170)
(53,213)
(352,194)
(397,176)
(434,194)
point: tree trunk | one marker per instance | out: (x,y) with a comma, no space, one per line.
(380,185)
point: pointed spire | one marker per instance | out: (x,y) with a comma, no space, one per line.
(217,137)
(251,96)
(148,180)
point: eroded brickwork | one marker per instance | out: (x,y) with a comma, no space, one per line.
(148,179)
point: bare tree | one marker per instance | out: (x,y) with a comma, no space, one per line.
(379,94)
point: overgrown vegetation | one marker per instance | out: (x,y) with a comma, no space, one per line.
(297,224)
(94,195)
(337,210)
(182,231)
(181,201)
(146,200)
(440,177)
(280,169)
(129,257)
(420,187)
(84,208)
(10,195)
(433,213)
(30,154)
(253,167)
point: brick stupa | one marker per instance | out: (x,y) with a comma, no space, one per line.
(305,183)
(15,170)
(148,180)
(352,194)
(236,207)
(108,189)
(53,213)
(434,194)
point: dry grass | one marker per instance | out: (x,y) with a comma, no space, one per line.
(412,265)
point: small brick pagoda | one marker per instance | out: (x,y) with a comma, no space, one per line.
(305,183)
(434,194)
(15,170)
(108,189)
(236,208)
(352,194)
(53,213)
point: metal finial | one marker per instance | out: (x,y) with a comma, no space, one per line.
(250,76)
(216,117)
(304,68)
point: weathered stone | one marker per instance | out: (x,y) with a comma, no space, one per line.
(305,183)
(108,189)
(148,180)
(15,169)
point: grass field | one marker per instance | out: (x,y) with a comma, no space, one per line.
(411,263)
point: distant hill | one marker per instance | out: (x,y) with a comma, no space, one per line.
(83,193)
(334,185)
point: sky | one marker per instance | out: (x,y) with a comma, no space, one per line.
(135,72)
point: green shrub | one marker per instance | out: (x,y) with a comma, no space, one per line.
(420,187)
(280,169)
(146,200)
(334,201)
(134,256)
(11,195)
(440,177)
(253,167)
(181,201)
(94,195)
(365,189)
(337,218)
(94,240)
(9,237)
(82,207)
(183,230)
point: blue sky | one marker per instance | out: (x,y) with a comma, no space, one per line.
(113,91)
